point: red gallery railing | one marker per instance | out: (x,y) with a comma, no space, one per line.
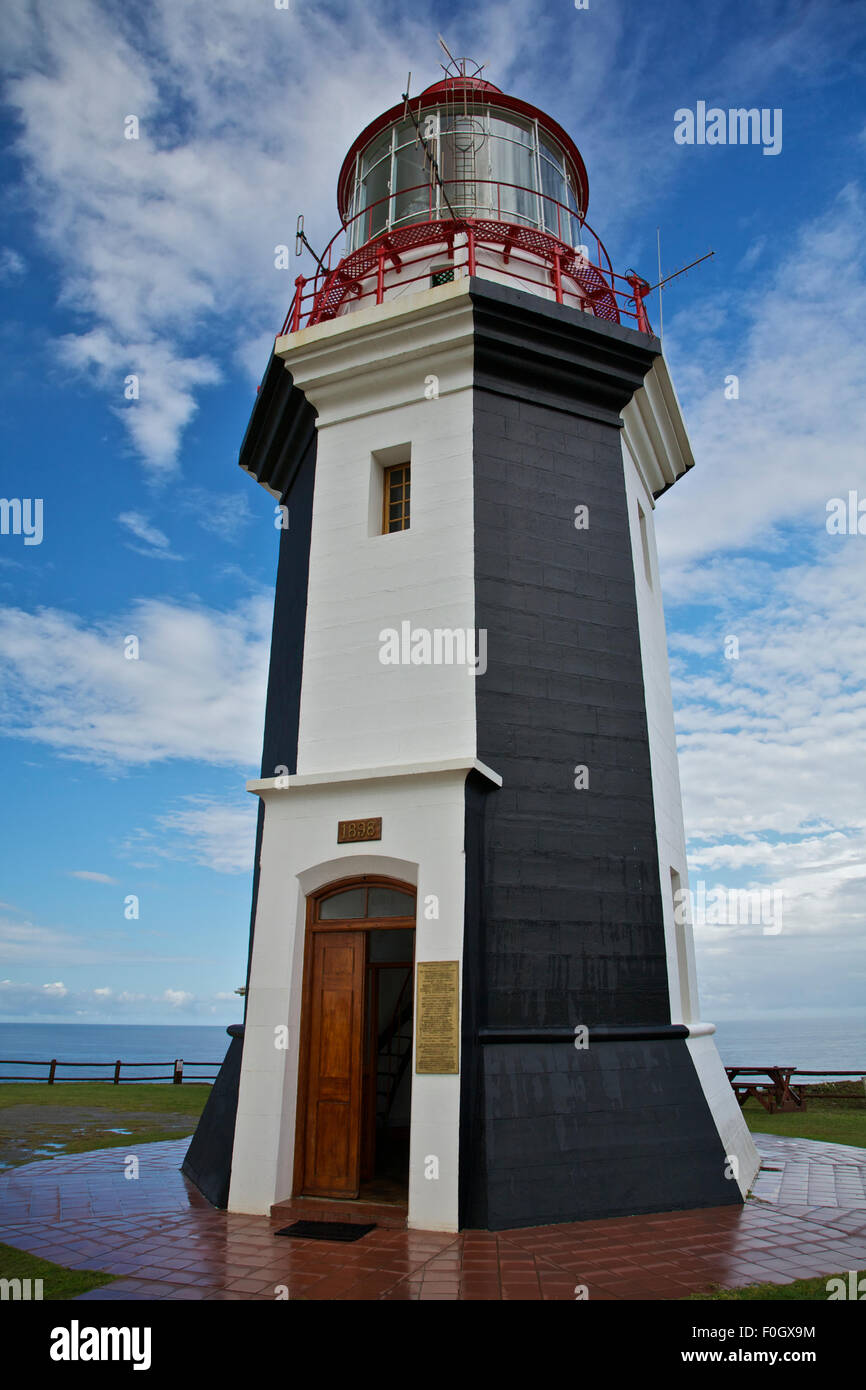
(590,279)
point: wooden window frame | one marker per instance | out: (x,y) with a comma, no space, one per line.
(405,467)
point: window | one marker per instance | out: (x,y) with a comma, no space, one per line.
(376,901)
(442,275)
(396,509)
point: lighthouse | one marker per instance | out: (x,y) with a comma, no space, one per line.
(471,998)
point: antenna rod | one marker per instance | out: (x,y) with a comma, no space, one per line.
(681,271)
(431,158)
(661,311)
(447,49)
(301,240)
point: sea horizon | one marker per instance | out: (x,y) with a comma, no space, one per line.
(827,1042)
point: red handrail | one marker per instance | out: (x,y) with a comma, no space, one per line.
(321,296)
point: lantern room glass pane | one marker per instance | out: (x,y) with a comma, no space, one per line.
(411,185)
(374,198)
(375,190)
(553,186)
(512,128)
(492,164)
(464,163)
(514,171)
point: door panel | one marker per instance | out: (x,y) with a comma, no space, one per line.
(332,1147)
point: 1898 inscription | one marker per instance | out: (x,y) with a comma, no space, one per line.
(351,830)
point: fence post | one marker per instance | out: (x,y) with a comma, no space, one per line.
(470,248)
(296,307)
(380,273)
(117,1073)
(51,1070)
(178,1071)
(557,277)
(640,289)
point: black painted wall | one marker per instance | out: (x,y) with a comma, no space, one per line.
(565,927)
(208,1161)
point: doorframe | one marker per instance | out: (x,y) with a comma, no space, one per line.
(313,928)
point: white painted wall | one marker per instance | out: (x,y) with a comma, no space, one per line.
(724,1106)
(355,711)
(667,795)
(300,854)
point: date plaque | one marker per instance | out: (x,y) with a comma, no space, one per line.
(350,831)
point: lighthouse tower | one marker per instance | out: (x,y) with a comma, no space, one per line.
(471,997)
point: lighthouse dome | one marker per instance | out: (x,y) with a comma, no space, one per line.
(462,179)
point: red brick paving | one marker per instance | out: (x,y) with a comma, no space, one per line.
(167,1242)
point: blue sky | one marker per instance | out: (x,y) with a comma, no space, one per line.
(156,257)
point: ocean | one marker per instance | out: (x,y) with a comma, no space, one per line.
(156,1044)
(830,1044)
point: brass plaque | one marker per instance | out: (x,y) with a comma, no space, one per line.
(437,1027)
(348,831)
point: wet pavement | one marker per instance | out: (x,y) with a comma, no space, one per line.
(807,1217)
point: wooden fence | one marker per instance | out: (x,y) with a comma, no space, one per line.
(175,1076)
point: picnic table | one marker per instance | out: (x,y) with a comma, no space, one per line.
(777,1093)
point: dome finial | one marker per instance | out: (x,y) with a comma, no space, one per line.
(456,67)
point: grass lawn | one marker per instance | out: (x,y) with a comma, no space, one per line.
(834,1122)
(57,1282)
(39,1121)
(802,1290)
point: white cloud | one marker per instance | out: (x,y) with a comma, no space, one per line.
(25,944)
(165,243)
(197,691)
(12,264)
(223,515)
(772,747)
(141,527)
(794,437)
(91,877)
(177,997)
(216,834)
(55,1002)
(167,383)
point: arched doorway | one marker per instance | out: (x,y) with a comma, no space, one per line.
(355,1070)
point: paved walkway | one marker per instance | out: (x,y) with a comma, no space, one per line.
(808,1217)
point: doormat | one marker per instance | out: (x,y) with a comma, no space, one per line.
(327,1230)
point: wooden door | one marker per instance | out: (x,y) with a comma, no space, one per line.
(334,1090)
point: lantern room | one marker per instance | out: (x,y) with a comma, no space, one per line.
(480,154)
(464,180)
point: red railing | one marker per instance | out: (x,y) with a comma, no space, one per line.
(588,279)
